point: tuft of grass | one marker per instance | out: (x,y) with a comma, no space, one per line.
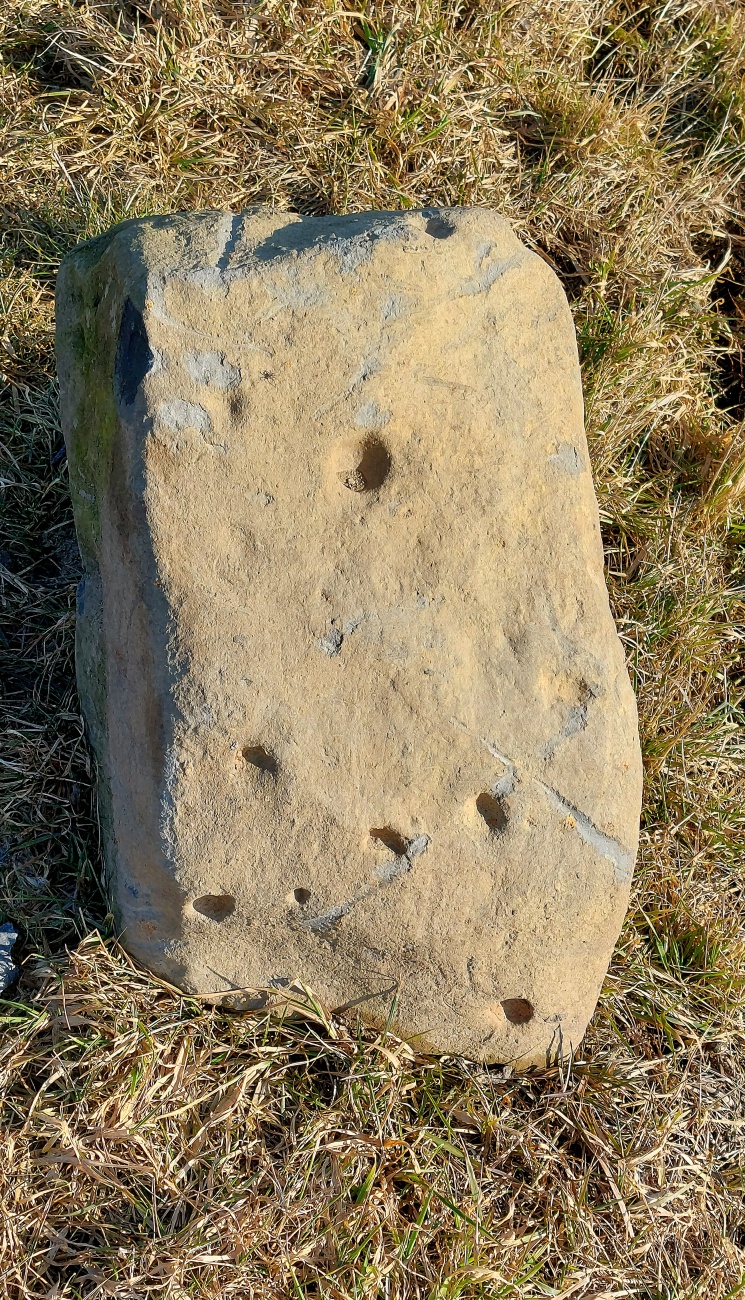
(156,1146)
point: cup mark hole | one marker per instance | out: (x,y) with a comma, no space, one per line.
(493,811)
(391,839)
(259,757)
(216,907)
(368,466)
(517,1010)
(301,896)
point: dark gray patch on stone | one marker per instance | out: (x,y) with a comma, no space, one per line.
(568,459)
(211,370)
(236,228)
(134,356)
(439,228)
(330,642)
(392,868)
(418,846)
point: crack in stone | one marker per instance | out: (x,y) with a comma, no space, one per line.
(232,238)
(325,923)
(622,859)
(576,721)
(505,785)
(392,868)
(387,871)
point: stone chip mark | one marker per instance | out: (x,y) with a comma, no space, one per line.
(484,279)
(576,719)
(622,859)
(368,366)
(179,416)
(371,416)
(327,922)
(331,642)
(392,868)
(211,370)
(568,459)
(418,846)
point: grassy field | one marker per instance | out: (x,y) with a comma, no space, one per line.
(153,1146)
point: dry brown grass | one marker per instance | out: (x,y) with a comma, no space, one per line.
(157,1147)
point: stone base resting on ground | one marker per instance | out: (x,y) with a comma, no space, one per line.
(360,713)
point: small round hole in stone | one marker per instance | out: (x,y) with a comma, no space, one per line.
(216,907)
(258,756)
(517,1010)
(365,465)
(390,839)
(301,896)
(493,811)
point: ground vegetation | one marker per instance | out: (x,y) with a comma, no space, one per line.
(158,1146)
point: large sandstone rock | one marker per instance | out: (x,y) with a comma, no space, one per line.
(344,646)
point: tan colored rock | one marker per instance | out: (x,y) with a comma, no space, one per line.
(361,715)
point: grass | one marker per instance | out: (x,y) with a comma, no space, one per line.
(156,1146)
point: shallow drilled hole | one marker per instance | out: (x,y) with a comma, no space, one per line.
(492,810)
(372,463)
(517,1010)
(259,757)
(215,906)
(301,895)
(391,839)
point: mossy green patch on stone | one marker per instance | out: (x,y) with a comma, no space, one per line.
(87,344)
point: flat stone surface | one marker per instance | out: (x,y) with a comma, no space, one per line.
(344,645)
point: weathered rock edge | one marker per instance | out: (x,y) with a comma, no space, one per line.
(344,650)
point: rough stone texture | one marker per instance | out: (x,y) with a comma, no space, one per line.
(344,645)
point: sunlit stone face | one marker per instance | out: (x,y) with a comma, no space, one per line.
(344,646)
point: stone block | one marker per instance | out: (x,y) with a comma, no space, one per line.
(344,647)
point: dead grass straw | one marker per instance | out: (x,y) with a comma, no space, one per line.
(156,1146)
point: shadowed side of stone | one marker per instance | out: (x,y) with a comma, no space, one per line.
(121,633)
(360,713)
(133,356)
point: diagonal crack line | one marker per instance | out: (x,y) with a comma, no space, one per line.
(386,872)
(506,784)
(622,859)
(231,240)
(323,924)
